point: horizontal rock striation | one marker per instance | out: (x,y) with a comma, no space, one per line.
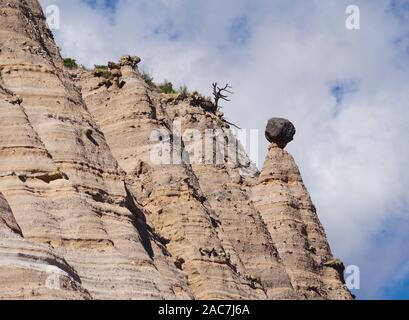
(29,270)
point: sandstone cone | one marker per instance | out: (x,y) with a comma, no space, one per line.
(285,205)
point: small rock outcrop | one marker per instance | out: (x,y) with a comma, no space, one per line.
(280,131)
(128,60)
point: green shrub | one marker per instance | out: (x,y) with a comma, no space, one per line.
(166,87)
(101,67)
(107,75)
(70,63)
(183,91)
(147,78)
(104,73)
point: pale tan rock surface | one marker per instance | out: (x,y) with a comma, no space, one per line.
(223,182)
(285,205)
(171,193)
(201,206)
(30,270)
(88,213)
(59,177)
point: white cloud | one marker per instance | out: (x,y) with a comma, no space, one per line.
(353,155)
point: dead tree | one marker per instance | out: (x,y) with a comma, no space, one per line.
(220,94)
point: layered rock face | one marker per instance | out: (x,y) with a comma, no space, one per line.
(285,205)
(202,211)
(63,185)
(30,270)
(105,192)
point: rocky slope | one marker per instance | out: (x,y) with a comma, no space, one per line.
(88,212)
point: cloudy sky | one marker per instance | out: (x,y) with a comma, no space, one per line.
(346,91)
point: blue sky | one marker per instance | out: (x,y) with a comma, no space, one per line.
(346,91)
(103,4)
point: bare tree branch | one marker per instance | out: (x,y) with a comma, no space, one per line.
(219,93)
(232,124)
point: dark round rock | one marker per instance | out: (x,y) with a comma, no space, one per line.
(280,131)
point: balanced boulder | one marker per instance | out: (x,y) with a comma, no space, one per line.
(280,131)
